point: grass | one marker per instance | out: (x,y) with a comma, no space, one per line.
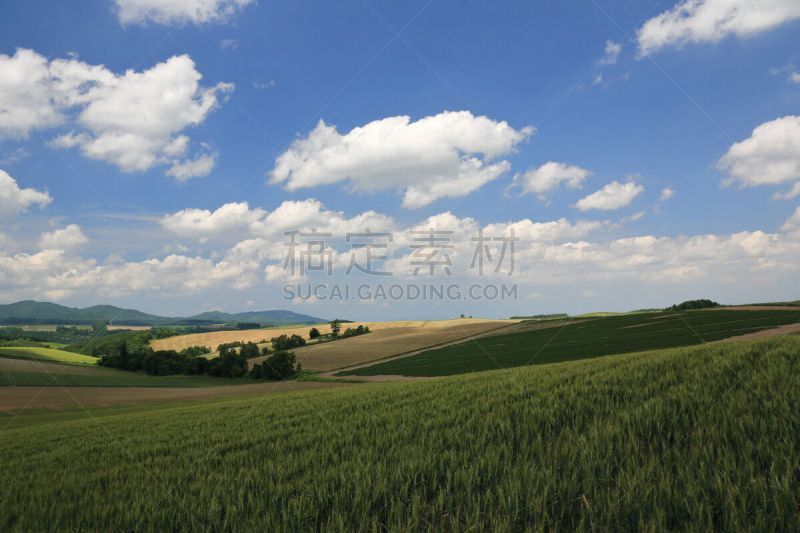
(47,354)
(586,339)
(704,438)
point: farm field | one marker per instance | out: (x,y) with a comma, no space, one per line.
(30,373)
(585,339)
(214,339)
(701,438)
(47,354)
(14,400)
(387,341)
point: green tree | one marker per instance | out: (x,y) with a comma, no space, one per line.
(123,356)
(314,333)
(336,327)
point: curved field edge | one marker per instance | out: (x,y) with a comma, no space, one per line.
(582,340)
(704,438)
(47,354)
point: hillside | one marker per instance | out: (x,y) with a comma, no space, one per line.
(696,439)
(31,312)
(592,337)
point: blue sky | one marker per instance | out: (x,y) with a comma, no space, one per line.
(646,94)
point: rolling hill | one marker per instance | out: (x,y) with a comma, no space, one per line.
(693,439)
(31,312)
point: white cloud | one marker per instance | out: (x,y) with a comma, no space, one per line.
(25,94)
(771,156)
(611,53)
(554,231)
(791,194)
(446,155)
(263,85)
(793,224)
(794,77)
(202,223)
(699,21)
(229,44)
(15,156)
(235,218)
(613,196)
(14,200)
(666,194)
(556,253)
(192,168)
(68,238)
(133,120)
(550,176)
(178,12)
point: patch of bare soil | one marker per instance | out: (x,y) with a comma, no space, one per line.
(756,308)
(789,329)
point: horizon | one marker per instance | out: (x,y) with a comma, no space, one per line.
(448,158)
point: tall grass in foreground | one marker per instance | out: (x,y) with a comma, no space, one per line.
(697,438)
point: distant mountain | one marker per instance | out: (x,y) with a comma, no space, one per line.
(278,316)
(30,312)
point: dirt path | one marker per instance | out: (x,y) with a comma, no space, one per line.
(14,399)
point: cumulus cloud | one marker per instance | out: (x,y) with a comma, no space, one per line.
(611,53)
(192,168)
(132,120)
(68,238)
(550,176)
(699,21)
(14,200)
(234,219)
(178,12)
(203,223)
(770,156)
(25,94)
(447,155)
(548,253)
(615,195)
(666,194)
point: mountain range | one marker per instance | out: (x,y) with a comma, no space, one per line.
(31,312)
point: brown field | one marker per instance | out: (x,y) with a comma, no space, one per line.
(131,328)
(14,399)
(756,308)
(390,339)
(214,339)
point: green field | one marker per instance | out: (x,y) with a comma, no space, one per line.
(44,374)
(589,338)
(702,438)
(47,354)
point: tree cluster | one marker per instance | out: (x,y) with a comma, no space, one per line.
(694,304)
(278,366)
(285,342)
(352,332)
